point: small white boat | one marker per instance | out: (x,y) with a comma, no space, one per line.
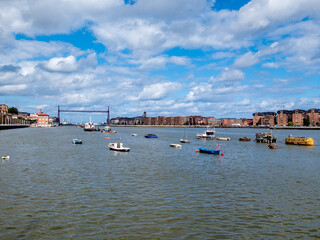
(223,138)
(175,145)
(118,147)
(134,134)
(5,158)
(184,139)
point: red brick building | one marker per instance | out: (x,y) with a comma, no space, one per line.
(314,116)
(298,116)
(43,118)
(264,118)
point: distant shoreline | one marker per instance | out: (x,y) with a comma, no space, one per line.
(204,126)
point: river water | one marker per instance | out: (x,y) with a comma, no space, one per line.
(53,189)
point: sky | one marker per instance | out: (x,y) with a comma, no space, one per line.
(221,58)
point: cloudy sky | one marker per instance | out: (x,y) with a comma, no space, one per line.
(222,58)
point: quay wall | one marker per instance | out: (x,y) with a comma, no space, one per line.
(12,126)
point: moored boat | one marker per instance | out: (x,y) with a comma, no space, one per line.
(77,141)
(273,146)
(118,147)
(107,129)
(89,127)
(175,145)
(208,134)
(184,139)
(303,141)
(223,138)
(265,138)
(209,151)
(134,134)
(244,139)
(151,136)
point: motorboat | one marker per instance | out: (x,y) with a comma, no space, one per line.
(175,145)
(303,141)
(107,129)
(208,134)
(118,147)
(89,127)
(134,134)
(209,151)
(77,141)
(5,158)
(151,136)
(223,138)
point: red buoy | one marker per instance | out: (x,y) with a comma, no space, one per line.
(221,154)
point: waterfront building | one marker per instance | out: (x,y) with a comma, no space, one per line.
(284,117)
(264,118)
(147,120)
(314,116)
(179,120)
(3,109)
(43,119)
(170,120)
(213,121)
(298,116)
(33,117)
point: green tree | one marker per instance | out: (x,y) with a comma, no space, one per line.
(290,123)
(13,110)
(306,121)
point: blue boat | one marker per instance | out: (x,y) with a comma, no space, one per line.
(151,136)
(209,151)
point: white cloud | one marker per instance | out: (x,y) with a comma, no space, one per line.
(160,62)
(158,90)
(247,60)
(60,64)
(270,65)
(228,76)
(12,89)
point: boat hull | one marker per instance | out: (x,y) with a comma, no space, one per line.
(175,145)
(151,136)
(209,151)
(223,138)
(206,137)
(118,147)
(119,150)
(91,130)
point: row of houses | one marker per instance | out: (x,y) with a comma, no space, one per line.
(295,117)
(40,119)
(181,120)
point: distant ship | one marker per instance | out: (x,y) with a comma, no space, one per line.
(89,127)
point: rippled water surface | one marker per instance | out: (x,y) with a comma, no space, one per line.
(52,189)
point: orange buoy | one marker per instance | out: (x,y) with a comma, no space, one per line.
(218,146)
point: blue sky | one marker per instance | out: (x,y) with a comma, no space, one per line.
(175,58)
